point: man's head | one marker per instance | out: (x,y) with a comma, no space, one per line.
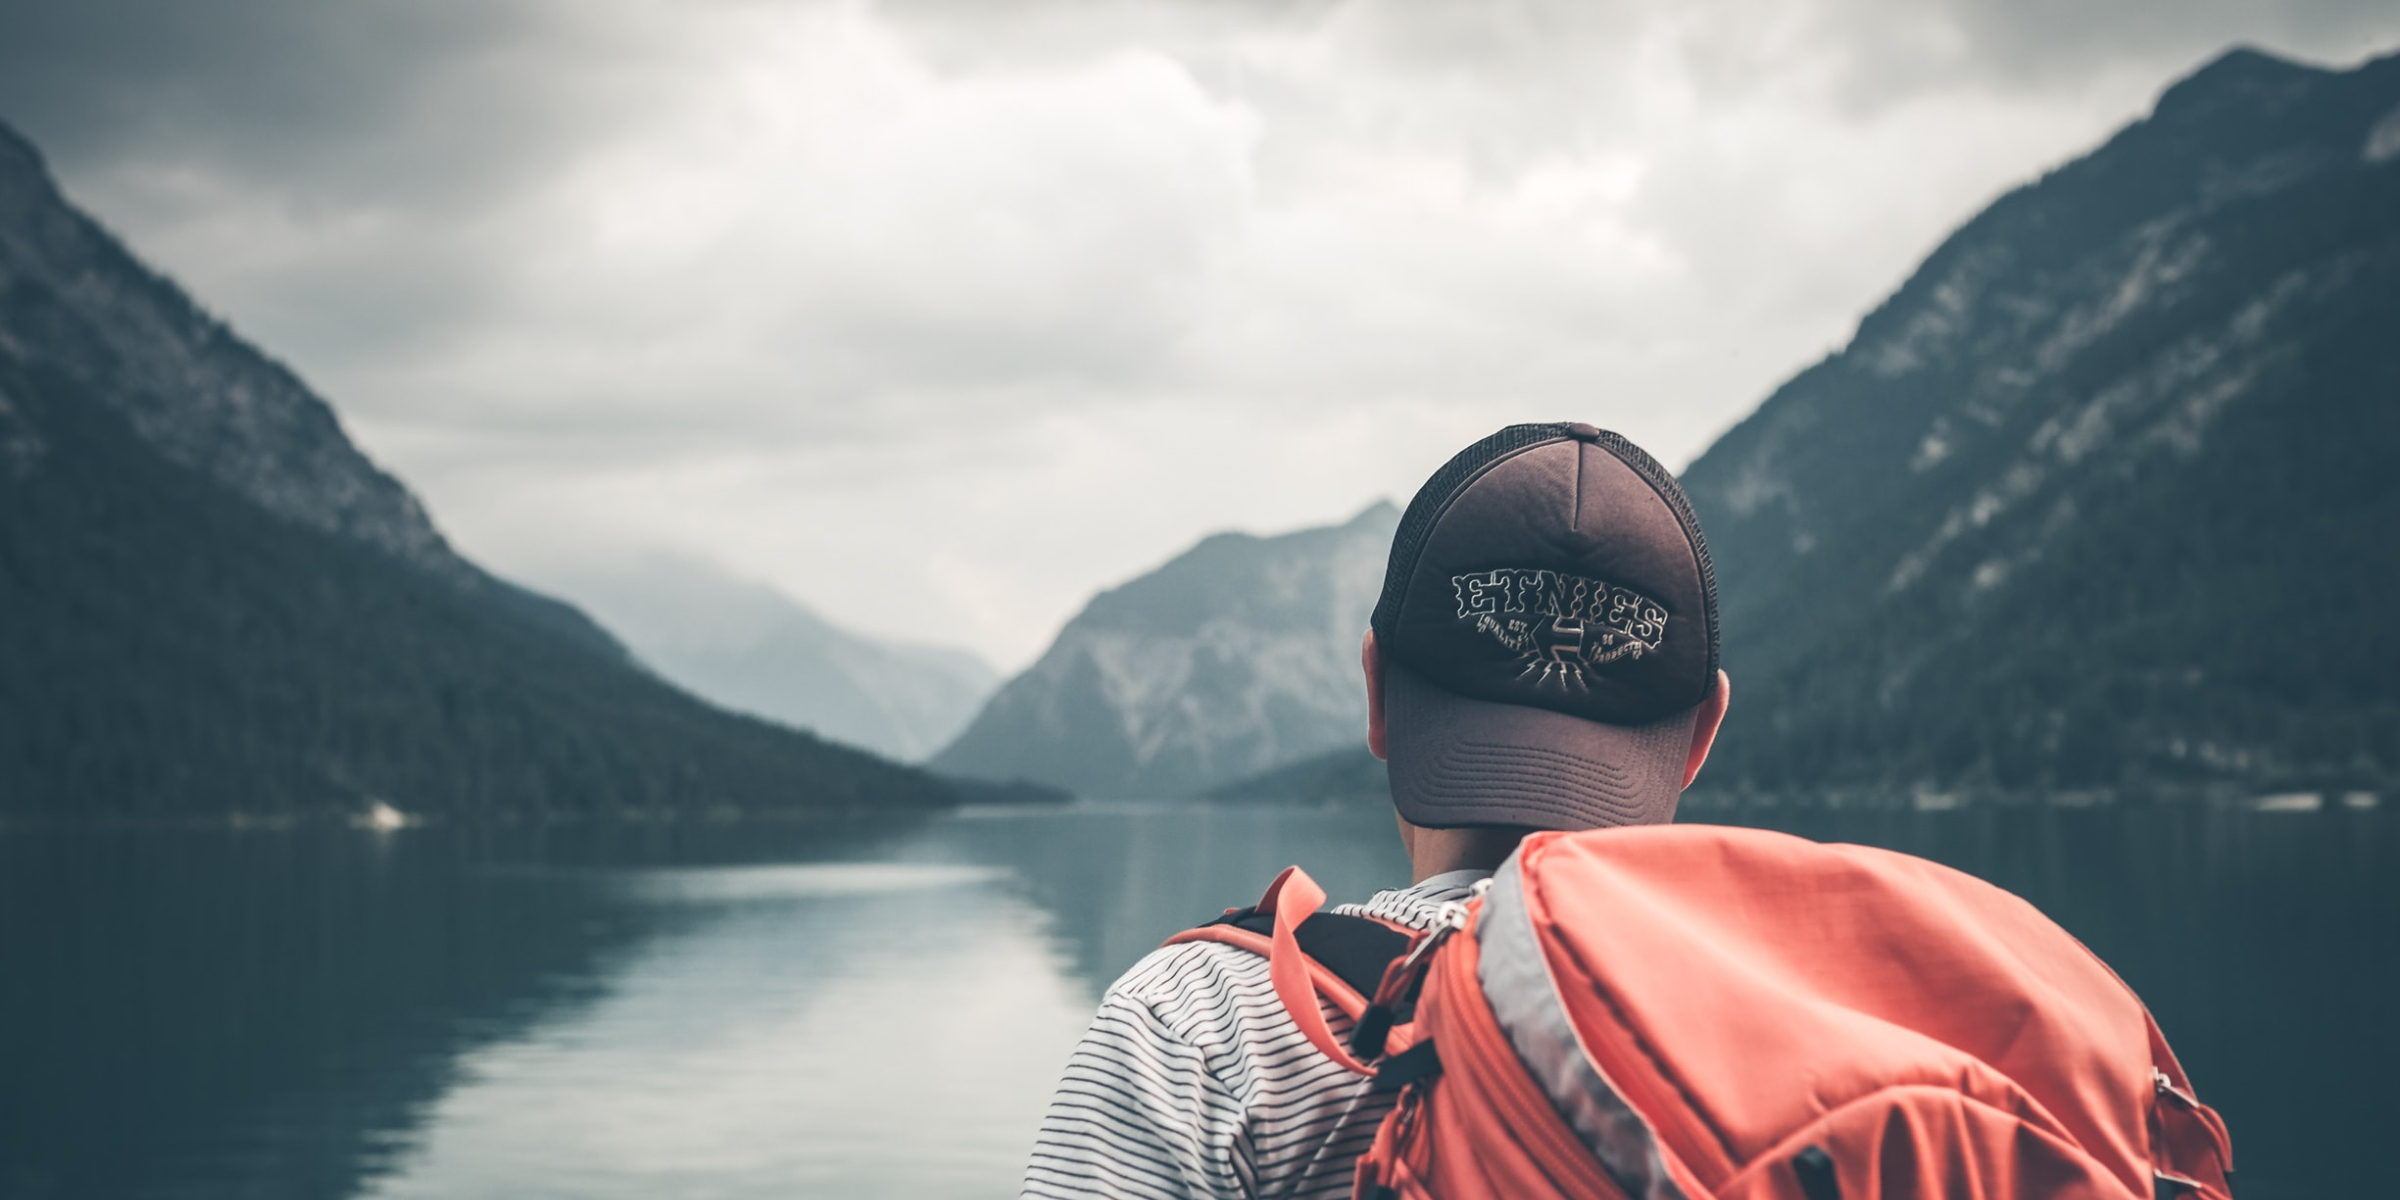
(1545,651)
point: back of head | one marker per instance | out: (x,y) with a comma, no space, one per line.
(1548,629)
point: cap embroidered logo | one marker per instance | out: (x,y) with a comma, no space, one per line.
(1558,624)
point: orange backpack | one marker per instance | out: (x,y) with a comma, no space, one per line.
(1685,1011)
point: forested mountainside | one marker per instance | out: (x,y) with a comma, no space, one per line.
(2104,495)
(1239,655)
(212,603)
(749,648)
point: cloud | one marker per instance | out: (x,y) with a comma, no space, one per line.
(894,231)
(941,315)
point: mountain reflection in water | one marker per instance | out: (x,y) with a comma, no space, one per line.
(744,1011)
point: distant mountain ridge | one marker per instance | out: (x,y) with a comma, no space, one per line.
(1239,655)
(2102,497)
(2099,500)
(751,649)
(212,603)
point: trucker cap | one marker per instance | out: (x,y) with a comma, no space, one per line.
(1548,628)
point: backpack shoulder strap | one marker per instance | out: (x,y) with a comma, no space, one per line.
(1355,949)
(1339,957)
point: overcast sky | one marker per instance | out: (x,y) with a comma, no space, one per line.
(939,316)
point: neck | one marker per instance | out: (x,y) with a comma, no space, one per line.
(1434,852)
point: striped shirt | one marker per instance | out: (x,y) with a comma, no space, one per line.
(1192,1082)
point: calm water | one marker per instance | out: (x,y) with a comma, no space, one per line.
(736,1012)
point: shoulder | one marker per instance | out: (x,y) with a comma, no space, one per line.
(1198,992)
(1170,970)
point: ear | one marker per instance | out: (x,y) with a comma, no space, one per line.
(1371,660)
(1704,727)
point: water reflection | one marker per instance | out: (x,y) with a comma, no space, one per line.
(1117,881)
(847,1030)
(711,1011)
(271,1014)
(204,1013)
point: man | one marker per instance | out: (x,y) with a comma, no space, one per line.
(1544,656)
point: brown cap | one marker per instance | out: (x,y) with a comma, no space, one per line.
(1548,627)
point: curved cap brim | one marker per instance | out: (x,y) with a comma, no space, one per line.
(1461,761)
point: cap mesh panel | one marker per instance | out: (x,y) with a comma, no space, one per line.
(1672,492)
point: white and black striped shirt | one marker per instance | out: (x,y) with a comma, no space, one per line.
(1192,1082)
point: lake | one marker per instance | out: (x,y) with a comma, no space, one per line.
(718,1011)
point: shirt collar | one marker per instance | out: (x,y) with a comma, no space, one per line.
(1442,886)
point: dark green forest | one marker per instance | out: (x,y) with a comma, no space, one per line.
(169,650)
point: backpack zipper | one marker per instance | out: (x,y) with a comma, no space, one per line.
(1447,919)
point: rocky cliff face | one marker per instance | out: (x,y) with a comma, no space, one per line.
(1237,656)
(78,305)
(2103,495)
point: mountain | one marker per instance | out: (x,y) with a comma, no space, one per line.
(1239,655)
(212,603)
(749,648)
(2103,497)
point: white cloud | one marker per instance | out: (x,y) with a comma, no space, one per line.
(941,317)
